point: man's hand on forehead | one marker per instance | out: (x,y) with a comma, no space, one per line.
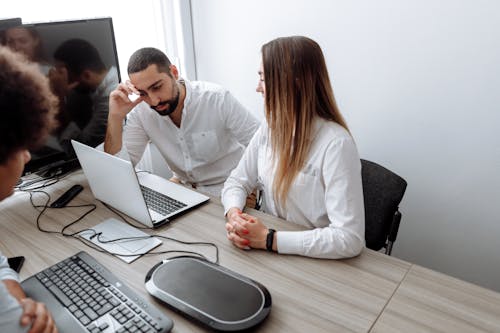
(133,93)
(132,88)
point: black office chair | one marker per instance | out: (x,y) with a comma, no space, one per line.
(383,190)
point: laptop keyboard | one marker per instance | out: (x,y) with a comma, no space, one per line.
(160,202)
(99,301)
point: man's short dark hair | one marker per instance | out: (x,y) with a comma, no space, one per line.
(143,58)
(79,55)
(27,106)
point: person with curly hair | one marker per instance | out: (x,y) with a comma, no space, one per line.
(27,110)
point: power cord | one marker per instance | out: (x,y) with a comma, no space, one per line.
(77,234)
(117,213)
(30,184)
(190,253)
(157,236)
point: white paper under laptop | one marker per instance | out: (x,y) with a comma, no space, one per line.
(115,182)
(121,239)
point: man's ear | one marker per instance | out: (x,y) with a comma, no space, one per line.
(174,71)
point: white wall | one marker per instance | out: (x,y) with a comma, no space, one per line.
(419,83)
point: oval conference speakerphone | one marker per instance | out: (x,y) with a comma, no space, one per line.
(214,295)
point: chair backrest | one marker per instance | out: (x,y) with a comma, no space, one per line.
(383,191)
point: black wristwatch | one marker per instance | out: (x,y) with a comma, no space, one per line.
(270,239)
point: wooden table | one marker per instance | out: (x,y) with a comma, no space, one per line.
(372,292)
(428,301)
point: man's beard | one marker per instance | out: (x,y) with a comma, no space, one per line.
(172,105)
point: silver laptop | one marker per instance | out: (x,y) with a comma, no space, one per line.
(147,198)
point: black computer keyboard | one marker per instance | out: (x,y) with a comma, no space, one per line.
(160,202)
(98,299)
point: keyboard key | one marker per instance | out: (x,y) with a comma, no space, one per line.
(90,313)
(60,296)
(78,314)
(103,326)
(106,308)
(84,320)
(160,202)
(92,328)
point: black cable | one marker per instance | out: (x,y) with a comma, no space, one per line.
(158,236)
(46,205)
(164,237)
(77,235)
(192,253)
(47,181)
(123,218)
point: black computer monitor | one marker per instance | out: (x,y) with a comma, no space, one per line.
(80,59)
(6,23)
(9,22)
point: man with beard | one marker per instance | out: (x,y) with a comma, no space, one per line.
(200,129)
(80,78)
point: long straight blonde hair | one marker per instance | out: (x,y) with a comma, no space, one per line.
(297,89)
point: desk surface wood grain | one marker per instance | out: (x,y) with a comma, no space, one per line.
(428,301)
(308,295)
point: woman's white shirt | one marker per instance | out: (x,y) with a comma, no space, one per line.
(326,195)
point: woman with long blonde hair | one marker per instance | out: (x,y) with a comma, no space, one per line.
(303,158)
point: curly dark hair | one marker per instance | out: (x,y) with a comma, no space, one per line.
(27,106)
